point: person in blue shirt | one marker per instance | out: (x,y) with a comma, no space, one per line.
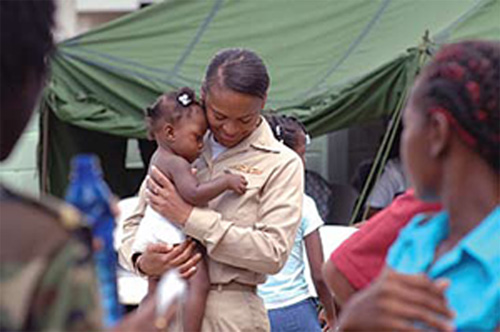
(444,270)
(286,295)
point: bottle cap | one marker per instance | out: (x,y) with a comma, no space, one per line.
(85,164)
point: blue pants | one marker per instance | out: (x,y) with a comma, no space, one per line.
(298,317)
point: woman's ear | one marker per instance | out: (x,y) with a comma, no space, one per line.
(169,132)
(440,134)
(263,102)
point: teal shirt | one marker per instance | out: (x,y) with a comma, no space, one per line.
(472,266)
(289,286)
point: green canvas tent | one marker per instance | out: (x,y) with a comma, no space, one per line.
(332,63)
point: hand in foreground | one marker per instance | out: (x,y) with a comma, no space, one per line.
(159,258)
(145,318)
(396,302)
(164,198)
(329,322)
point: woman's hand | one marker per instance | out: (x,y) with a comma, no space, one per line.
(396,302)
(159,258)
(327,321)
(145,318)
(164,198)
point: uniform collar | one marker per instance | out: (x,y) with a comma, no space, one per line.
(261,138)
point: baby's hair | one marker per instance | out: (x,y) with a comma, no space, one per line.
(239,70)
(463,83)
(171,107)
(286,128)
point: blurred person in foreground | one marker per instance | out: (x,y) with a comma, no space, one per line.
(359,260)
(442,272)
(47,278)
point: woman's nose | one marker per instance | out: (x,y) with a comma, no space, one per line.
(230,129)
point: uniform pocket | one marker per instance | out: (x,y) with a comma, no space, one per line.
(254,181)
(243,209)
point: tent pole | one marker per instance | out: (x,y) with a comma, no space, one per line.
(379,161)
(424,53)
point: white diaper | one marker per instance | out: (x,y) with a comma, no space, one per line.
(154,228)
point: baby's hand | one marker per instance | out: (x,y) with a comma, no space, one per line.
(237,183)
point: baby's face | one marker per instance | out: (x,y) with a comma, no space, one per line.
(190,132)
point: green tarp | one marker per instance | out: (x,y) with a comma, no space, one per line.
(333,63)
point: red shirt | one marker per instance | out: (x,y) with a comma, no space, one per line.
(362,256)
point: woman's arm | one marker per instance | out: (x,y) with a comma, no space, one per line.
(158,257)
(129,229)
(262,248)
(337,283)
(315,256)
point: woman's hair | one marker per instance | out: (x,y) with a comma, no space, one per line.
(463,83)
(171,107)
(239,70)
(286,128)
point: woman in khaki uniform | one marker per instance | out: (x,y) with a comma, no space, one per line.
(248,236)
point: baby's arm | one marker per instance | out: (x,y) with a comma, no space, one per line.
(199,194)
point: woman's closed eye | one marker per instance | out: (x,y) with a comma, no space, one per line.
(246,120)
(219,116)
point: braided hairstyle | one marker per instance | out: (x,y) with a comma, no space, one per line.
(286,129)
(463,83)
(239,70)
(171,107)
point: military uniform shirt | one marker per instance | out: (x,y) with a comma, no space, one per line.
(246,236)
(47,279)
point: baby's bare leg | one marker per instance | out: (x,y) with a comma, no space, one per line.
(194,305)
(152,285)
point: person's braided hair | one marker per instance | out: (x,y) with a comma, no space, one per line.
(285,128)
(463,83)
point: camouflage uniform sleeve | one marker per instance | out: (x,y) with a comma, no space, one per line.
(67,296)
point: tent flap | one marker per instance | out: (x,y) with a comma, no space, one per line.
(333,64)
(322,56)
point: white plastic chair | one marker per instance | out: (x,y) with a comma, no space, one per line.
(332,237)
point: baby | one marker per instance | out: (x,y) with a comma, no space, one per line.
(177,122)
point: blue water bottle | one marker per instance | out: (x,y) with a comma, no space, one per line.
(89,193)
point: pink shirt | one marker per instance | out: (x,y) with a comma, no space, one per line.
(362,256)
